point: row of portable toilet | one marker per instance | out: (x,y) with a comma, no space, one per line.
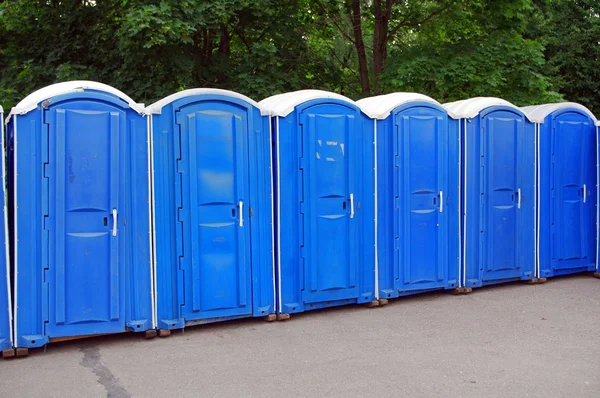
(208,206)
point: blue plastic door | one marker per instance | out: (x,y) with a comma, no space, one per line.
(215,190)
(83,178)
(330,202)
(421,228)
(573,215)
(502,138)
(5,306)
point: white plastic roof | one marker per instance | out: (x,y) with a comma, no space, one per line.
(381,106)
(469,108)
(31,102)
(284,104)
(537,113)
(156,108)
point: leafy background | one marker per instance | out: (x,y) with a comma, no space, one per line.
(526,51)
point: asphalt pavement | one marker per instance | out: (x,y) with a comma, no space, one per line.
(513,340)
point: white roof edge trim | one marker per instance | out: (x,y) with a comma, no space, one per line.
(381,106)
(31,102)
(283,104)
(469,108)
(538,113)
(156,108)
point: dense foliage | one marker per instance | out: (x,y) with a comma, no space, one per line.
(527,51)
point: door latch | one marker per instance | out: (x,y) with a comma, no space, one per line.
(114,215)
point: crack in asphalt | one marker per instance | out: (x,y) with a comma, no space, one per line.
(91,360)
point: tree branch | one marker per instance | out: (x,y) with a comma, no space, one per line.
(405,24)
(389,4)
(342,31)
(344,64)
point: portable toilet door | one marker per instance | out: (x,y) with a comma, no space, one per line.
(324,201)
(417,194)
(6,331)
(498,198)
(566,147)
(80,213)
(213,208)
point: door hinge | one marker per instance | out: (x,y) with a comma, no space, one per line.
(180,290)
(46,117)
(303,270)
(178,117)
(45,301)
(177,143)
(45,248)
(179,236)
(45,144)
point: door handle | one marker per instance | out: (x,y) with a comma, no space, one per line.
(351,205)
(114,215)
(241,208)
(519,198)
(441,201)
(584,193)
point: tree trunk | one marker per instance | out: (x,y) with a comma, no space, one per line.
(202,53)
(224,54)
(380,39)
(354,14)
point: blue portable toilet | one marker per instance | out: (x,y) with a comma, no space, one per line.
(6,334)
(498,198)
(417,194)
(324,174)
(80,213)
(566,172)
(213,208)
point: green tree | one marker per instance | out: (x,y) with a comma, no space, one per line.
(449,49)
(570,32)
(517,49)
(477,49)
(48,41)
(150,49)
(255,47)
